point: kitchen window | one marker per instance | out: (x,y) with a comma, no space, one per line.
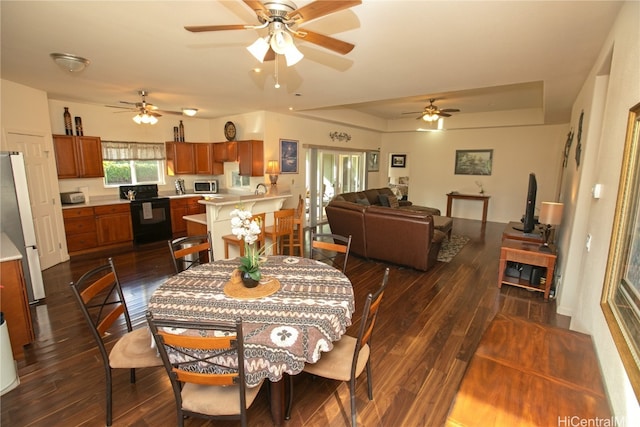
(127,163)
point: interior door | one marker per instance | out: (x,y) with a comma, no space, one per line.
(38,162)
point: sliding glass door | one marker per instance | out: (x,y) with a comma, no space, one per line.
(331,172)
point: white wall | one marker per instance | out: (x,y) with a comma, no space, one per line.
(517,151)
(606,98)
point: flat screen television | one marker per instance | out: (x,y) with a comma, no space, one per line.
(529,219)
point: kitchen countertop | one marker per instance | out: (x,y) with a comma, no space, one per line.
(198,218)
(8,250)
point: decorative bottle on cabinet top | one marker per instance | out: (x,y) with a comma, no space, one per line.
(181,131)
(79,131)
(68,127)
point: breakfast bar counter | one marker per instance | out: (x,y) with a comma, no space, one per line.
(219,208)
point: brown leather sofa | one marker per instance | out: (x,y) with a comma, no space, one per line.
(372,196)
(399,236)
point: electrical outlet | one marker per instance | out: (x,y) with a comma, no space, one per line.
(588,242)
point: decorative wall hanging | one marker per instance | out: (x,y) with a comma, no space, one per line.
(398,160)
(579,145)
(288,156)
(340,136)
(373,161)
(620,302)
(567,147)
(473,162)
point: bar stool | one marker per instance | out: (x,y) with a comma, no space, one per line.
(232,239)
(282,227)
(298,223)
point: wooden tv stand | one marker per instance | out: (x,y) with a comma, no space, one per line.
(511,232)
(529,253)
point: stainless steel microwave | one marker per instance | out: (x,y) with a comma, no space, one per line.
(205,187)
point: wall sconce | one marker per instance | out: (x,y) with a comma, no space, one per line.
(340,136)
(273,169)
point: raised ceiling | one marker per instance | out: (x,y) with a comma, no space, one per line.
(477,56)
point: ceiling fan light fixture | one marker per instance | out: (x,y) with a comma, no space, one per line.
(430,117)
(293,56)
(145,119)
(281,40)
(190,111)
(69,62)
(259,48)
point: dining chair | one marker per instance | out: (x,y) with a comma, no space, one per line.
(195,355)
(281,229)
(232,239)
(191,250)
(102,302)
(350,355)
(298,226)
(329,247)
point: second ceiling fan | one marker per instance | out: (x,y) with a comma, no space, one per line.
(431,112)
(282,18)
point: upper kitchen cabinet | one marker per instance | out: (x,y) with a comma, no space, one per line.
(225,151)
(180,158)
(250,158)
(78,156)
(205,160)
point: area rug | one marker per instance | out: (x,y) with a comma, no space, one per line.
(451,247)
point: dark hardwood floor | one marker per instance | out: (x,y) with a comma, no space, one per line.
(427,330)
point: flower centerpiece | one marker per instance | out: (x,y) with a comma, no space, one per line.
(248,229)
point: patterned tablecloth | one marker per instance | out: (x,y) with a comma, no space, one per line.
(282,331)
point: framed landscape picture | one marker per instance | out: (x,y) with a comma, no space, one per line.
(288,156)
(473,162)
(398,160)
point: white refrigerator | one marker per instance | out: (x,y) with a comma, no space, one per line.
(16,220)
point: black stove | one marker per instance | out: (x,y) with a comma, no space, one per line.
(150,214)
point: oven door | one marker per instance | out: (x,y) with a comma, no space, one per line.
(151,220)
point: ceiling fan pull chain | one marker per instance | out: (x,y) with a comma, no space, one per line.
(277,85)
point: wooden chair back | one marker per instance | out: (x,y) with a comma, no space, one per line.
(282,227)
(189,251)
(197,354)
(331,247)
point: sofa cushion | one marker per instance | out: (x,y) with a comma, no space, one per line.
(364,202)
(384,200)
(393,201)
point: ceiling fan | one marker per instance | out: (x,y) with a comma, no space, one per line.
(431,112)
(282,18)
(148,113)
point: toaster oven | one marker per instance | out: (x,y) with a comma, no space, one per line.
(205,187)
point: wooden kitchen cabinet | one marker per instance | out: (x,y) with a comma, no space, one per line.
(251,158)
(14,303)
(80,229)
(180,158)
(181,207)
(113,224)
(225,151)
(78,156)
(205,160)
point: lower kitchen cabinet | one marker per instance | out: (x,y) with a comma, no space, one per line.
(14,303)
(113,224)
(94,228)
(181,207)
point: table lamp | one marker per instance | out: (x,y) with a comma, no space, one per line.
(273,169)
(550,214)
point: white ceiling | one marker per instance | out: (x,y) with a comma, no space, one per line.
(478,56)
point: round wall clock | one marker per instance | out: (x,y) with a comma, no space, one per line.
(230,131)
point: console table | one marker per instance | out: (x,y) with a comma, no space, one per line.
(480,197)
(526,253)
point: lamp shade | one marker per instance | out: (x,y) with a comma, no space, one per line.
(273,167)
(259,48)
(551,213)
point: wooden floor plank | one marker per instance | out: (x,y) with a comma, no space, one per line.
(429,325)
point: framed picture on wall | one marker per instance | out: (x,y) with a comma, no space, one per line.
(398,160)
(473,162)
(288,156)
(373,161)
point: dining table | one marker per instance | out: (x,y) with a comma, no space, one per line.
(298,310)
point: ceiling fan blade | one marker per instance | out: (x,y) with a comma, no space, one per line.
(450,110)
(320,8)
(121,106)
(441,114)
(327,42)
(204,28)
(414,112)
(255,5)
(129,103)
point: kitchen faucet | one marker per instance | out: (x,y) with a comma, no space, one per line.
(258,188)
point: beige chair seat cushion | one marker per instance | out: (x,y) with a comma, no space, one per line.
(336,364)
(216,400)
(134,350)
